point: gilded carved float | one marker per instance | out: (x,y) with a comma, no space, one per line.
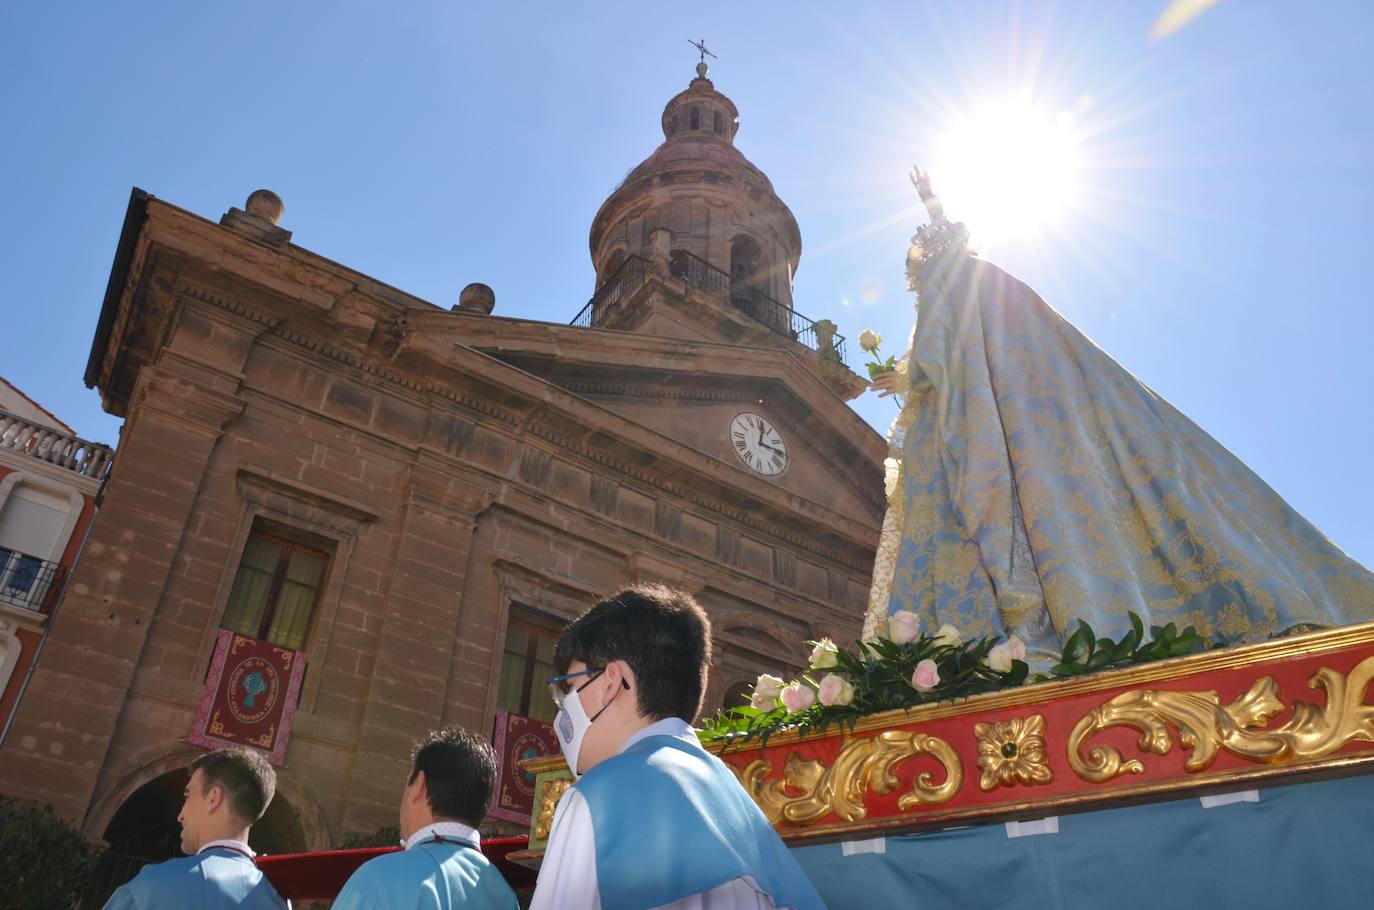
(1276,711)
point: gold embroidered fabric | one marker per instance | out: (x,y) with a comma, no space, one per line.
(1033,480)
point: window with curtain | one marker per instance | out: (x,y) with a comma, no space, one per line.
(275,590)
(526,666)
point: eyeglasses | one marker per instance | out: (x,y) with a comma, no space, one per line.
(558,690)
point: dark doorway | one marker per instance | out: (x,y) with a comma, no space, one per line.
(145,830)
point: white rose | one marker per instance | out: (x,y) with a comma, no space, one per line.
(869,340)
(947,635)
(825,655)
(999,658)
(904,626)
(1016,648)
(766,692)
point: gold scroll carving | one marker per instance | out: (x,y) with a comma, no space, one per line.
(1204,725)
(808,790)
(548,802)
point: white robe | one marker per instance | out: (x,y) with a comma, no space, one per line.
(567,877)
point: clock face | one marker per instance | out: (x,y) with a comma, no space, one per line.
(758,444)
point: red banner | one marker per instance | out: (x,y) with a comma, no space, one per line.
(250,696)
(517,738)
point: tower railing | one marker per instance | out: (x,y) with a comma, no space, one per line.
(757,305)
(627,278)
(763,309)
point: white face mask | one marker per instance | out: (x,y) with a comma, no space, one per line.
(572,723)
(571,726)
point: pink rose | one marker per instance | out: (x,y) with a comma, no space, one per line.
(904,626)
(926,677)
(835,690)
(797,696)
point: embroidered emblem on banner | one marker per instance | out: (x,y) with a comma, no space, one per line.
(250,696)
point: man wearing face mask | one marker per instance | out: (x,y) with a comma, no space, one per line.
(653,821)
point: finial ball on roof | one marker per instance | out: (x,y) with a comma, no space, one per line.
(701,69)
(265,204)
(477,298)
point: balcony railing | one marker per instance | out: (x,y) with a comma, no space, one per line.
(756,305)
(89,459)
(698,273)
(626,279)
(701,274)
(29,582)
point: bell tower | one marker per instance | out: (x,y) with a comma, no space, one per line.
(705,207)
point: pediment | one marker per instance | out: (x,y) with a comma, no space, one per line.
(691,393)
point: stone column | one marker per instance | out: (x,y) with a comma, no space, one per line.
(414,645)
(62,732)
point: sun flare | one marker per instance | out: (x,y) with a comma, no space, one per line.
(1008,171)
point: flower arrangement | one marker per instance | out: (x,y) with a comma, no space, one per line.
(906,667)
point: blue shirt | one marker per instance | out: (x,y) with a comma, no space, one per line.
(217,877)
(431,874)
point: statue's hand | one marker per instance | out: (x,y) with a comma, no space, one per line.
(889,382)
(920,181)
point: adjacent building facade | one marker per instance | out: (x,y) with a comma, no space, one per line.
(49,483)
(418,497)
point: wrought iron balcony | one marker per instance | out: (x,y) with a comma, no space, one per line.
(626,279)
(29,582)
(699,273)
(88,459)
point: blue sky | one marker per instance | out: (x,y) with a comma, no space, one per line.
(1219,249)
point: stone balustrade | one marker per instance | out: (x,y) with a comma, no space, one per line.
(88,459)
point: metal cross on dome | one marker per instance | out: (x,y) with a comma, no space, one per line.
(701,46)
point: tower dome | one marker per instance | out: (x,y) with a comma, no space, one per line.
(719,209)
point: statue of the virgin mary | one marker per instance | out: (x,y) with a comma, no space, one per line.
(1032,480)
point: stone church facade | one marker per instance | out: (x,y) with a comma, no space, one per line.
(419,497)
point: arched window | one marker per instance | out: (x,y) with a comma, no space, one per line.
(749,284)
(746,264)
(737,694)
(717,123)
(36,522)
(613,265)
(696,118)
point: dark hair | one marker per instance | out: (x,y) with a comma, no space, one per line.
(661,632)
(247,779)
(460,773)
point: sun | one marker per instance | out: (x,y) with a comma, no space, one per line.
(1008,171)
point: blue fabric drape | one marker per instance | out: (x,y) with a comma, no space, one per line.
(1301,846)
